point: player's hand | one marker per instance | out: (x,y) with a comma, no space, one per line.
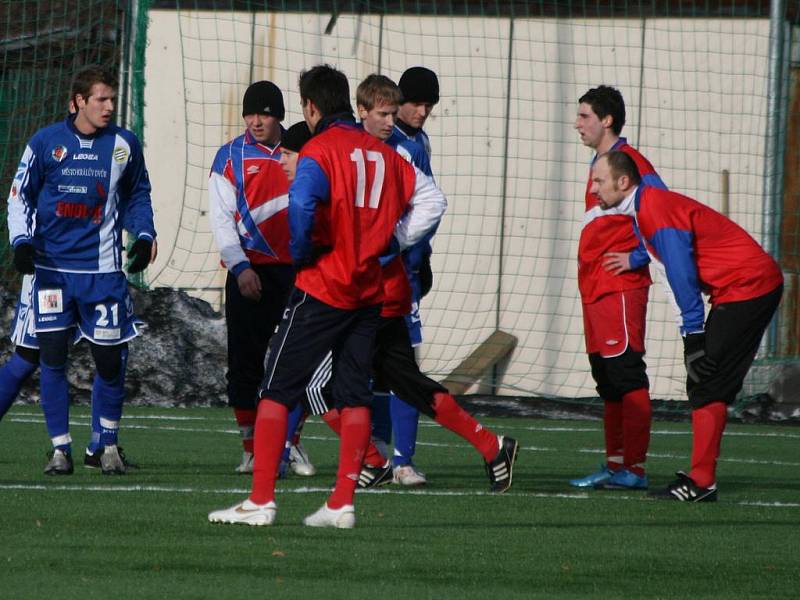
(139,255)
(617,262)
(312,258)
(699,365)
(154,252)
(23,258)
(425,276)
(249,284)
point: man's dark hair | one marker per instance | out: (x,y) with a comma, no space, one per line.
(606,100)
(621,164)
(327,88)
(85,78)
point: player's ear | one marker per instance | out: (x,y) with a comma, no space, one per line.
(607,121)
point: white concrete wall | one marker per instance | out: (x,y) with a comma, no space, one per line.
(702,85)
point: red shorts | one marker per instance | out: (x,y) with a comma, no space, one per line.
(615,322)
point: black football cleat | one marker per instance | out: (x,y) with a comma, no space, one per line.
(91,460)
(371,477)
(501,470)
(684,489)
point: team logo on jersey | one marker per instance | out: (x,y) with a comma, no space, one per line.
(14,191)
(120,155)
(50,301)
(58,153)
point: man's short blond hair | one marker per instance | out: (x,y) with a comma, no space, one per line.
(377,89)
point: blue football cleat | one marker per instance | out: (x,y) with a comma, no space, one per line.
(598,477)
(624,480)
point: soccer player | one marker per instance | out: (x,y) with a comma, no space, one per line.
(419,87)
(349,193)
(248,200)
(700,251)
(614,279)
(25,360)
(377,469)
(77,183)
(395,366)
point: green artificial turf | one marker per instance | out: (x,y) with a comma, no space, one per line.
(145,535)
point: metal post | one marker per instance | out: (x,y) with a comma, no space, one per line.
(725,204)
(503,200)
(773,167)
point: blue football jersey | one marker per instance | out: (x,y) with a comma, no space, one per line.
(72,195)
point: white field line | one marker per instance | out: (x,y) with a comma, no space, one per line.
(21,417)
(320,490)
(85,422)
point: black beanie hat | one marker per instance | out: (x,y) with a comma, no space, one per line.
(263,98)
(296,136)
(419,84)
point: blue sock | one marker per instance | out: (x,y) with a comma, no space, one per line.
(381,419)
(291,428)
(94,441)
(55,405)
(110,395)
(13,374)
(405,419)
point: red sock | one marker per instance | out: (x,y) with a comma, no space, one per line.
(352,446)
(708,423)
(271,425)
(637,412)
(451,416)
(333,420)
(612,425)
(246,420)
(373,457)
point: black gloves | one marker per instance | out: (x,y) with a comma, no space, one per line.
(425,276)
(698,365)
(23,258)
(139,255)
(316,252)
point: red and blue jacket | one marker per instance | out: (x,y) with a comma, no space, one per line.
(702,252)
(248,202)
(351,190)
(603,232)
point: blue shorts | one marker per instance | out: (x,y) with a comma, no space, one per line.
(98,304)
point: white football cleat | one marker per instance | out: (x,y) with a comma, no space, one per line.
(341,518)
(246,513)
(299,462)
(246,466)
(409,476)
